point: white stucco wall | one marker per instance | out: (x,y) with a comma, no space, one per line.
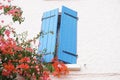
(98,43)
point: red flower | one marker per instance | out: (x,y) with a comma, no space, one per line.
(8,68)
(23,66)
(7,46)
(25,59)
(60,68)
(45,75)
(5,72)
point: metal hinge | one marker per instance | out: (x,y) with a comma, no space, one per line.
(48,17)
(71,15)
(70,53)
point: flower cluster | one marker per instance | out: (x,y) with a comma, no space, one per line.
(18,58)
(59,67)
(14,11)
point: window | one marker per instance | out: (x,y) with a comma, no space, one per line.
(63,42)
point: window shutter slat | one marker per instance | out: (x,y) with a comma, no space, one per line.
(47,41)
(68,36)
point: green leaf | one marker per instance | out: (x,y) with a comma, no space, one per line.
(50,67)
(15,18)
(7,9)
(2,30)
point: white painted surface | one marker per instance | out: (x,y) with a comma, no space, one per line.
(77,76)
(98,44)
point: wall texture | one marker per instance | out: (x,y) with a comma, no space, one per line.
(98,37)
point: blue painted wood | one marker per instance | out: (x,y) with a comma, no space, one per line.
(49,24)
(41,39)
(68,36)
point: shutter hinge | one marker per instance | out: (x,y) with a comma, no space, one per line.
(49,53)
(48,17)
(70,53)
(71,15)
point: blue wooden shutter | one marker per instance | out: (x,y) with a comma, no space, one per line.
(68,36)
(48,41)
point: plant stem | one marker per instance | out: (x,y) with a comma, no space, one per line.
(1,13)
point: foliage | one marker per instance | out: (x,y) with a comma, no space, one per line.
(14,11)
(17,57)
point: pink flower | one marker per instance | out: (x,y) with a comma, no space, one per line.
(14,12)
(7,32)
(2,21)
(29,49)
(18,48)
(7,6)
(9,0)
(1,7)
